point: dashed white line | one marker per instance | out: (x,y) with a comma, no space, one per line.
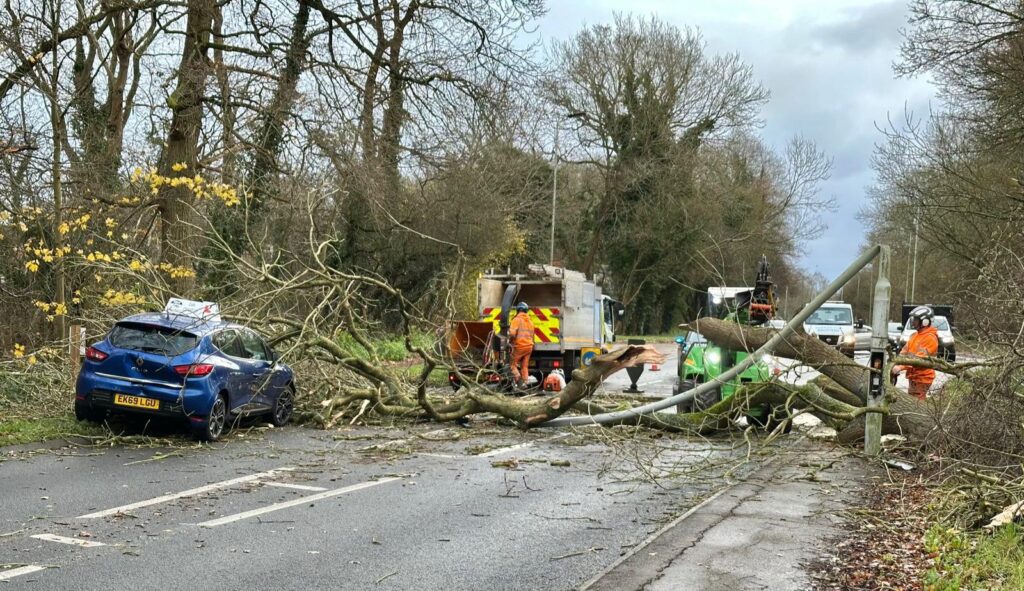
(503,450)
(69,541)
(294,502)
(185,493)
(295,486)
(21,570)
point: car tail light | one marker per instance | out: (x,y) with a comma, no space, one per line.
(94,354)
(451,377)
(556,364)
(197,370)
(493,378)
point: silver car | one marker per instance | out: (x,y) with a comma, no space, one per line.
(862,335)
(895,331)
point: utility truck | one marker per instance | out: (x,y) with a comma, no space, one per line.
(573,320)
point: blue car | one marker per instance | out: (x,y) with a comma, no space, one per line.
(207,371)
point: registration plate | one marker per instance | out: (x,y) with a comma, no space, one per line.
(136,401)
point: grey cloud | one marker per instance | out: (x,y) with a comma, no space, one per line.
(864,30)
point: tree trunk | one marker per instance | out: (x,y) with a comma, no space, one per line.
(847,380)
(178,240)
(271,133)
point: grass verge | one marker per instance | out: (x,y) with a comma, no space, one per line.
(975,560)
(19,431)
(436,379)
(649,339)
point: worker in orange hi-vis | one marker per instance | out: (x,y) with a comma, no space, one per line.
(521,336)
(923,343)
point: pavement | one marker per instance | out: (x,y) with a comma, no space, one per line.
(424,507)
(760,534)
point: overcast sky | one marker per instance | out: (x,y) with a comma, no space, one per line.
(828,65)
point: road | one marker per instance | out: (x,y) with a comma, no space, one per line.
(484,507)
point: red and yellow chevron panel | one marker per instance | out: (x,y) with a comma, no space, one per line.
(547,323)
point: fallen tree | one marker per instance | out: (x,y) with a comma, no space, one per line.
(314,313)
(844,380)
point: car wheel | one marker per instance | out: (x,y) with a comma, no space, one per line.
(216,421)
(282,411)
(85,412)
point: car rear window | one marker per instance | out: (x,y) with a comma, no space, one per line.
(152,339)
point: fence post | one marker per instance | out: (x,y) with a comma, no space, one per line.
(879,340)
(75,343)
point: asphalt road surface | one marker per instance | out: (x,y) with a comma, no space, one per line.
(380,508)
(412,507)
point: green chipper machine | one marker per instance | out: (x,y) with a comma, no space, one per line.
(701,361)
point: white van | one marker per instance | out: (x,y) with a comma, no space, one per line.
(833,324)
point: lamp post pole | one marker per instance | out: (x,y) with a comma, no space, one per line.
(554,195)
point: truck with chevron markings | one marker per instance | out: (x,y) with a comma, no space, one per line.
(573,321)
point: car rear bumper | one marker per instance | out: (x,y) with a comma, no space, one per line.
(192,401)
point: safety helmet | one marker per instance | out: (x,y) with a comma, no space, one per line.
(522,307)
(923,314)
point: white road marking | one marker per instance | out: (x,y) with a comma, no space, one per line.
(71,541)
(185,493)
(503,450)
(295,486)
(21,570)
(442,456)
(294,502)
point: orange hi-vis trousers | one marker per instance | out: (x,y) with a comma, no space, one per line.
(521,362)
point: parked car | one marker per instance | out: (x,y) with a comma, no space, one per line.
(895,330)
(177,365)
(862,336)
(947,344)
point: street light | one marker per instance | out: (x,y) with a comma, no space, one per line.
(554,187)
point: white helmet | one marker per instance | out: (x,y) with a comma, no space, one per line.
(923,314)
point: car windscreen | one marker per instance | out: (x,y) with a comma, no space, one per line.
(831,316)
(152,339)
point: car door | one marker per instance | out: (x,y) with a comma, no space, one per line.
(261,363)
(239,382)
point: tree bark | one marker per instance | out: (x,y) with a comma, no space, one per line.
(845,380)
(178,241)
(271,134)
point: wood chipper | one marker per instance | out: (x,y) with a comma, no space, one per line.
(573,321)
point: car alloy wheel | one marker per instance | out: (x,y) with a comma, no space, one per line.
(283,408)
(215,422)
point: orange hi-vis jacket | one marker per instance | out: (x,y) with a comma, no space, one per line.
(521,330)
(923,343)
